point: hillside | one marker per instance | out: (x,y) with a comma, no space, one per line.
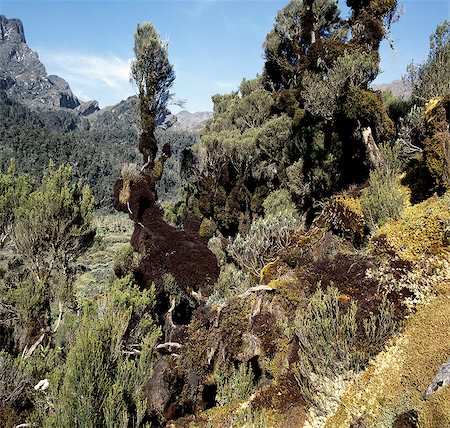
(41,119)
(281,262)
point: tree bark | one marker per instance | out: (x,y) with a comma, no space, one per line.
(371,147)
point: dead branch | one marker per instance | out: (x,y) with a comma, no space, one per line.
(58,322)
(256,289)
(28,353)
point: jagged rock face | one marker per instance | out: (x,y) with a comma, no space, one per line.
(22,74)
(11,29)
(192,122)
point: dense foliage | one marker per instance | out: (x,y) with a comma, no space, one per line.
(308,124)
(273,289)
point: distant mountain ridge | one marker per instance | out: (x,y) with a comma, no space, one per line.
(23,76)
(25,79)
(42,119)
(398,88)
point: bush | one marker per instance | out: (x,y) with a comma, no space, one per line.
(345,216)
(54,225)
(234,384)
(330,344)
(437,142)
(231,282)
(266,238)
(15,387)
(277,201)
(14,189)
(421,231)
(125,261)
(111,359)
(385,198)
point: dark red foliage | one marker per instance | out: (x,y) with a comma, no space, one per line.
(347,272)
(165,249)
(264,326)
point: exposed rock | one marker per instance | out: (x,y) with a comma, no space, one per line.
(398,88)
(191,122)
(88,107)
(11,29)
(23,75)
(441,379)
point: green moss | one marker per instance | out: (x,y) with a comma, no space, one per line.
(421,231)
(437,141)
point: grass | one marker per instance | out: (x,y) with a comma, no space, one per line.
(95,267)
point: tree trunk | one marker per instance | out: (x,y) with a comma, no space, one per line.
(371,147)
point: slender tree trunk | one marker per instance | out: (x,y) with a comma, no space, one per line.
(371,147)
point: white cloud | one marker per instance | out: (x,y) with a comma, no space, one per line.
(105,78)
(226,85)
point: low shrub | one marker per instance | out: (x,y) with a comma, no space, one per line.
(384,199)
(125,261)
(266,238)
(421,231)
(231,282)
(344,214)
(331,344)
(234,384)
(108,364)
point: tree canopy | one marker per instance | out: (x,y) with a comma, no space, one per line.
(154,76)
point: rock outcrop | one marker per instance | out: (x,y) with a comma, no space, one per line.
(22,74)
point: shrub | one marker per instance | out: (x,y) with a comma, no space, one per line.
(15,385)
(330,344)
(421,231)
(174,212)
(54,225)
(385,198)
(266,238)
(125,261)
(107,366)
(437,141)
(277,201)
(234,384)
(231,282)
(14,189)
(345,216)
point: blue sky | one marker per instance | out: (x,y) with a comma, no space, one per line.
(213,43)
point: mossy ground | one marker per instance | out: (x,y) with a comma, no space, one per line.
(395,382)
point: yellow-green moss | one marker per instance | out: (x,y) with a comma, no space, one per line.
(271,271)
(421,231)
(124,195)
(344,214)
(437,141)
(207,228)
(397,379)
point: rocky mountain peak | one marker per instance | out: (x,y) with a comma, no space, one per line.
(11,29)
(22,74)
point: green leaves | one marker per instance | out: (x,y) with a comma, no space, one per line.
(14,190)
(54,224)
(151,69)
(430,79)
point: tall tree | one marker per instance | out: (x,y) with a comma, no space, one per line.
(154,76)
